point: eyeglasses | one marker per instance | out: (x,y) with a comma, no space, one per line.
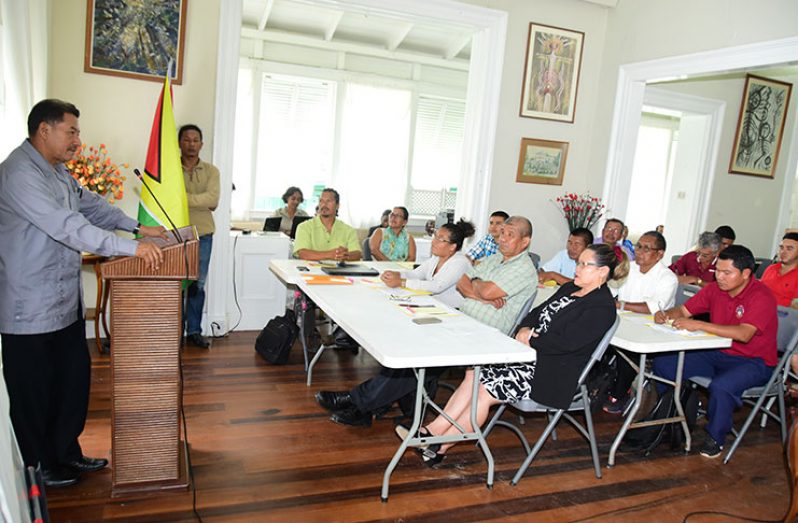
(395,215)
(587,264)
(438,238)
(706,255)
(645,248)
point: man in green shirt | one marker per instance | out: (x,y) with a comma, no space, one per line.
(325,237)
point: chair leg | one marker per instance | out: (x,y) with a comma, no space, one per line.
(748,421)
(536,448)
(494,419)
(591,433)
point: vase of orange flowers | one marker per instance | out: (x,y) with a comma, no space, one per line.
(93,169)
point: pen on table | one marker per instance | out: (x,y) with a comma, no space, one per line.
(418,306)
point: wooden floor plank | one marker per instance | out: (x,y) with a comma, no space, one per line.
(262,450)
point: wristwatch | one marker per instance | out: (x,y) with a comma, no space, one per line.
(699,282)
(137,228)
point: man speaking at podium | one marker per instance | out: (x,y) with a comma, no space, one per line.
(46,220)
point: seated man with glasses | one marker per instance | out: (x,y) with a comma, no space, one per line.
(649,288)
(612,235)
(697,267)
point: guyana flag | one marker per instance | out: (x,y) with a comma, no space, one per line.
(163,172)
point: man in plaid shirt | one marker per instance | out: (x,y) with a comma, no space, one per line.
(487,245)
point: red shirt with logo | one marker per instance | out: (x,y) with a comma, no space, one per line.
(755,305)
(784,286)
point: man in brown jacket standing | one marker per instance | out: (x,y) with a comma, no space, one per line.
(202,192)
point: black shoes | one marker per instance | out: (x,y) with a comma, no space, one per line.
(334,401)
(60,477)
(86,464)
(198,340)
(352,417)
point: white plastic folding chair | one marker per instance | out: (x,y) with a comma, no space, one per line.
(772,391)
(581,401)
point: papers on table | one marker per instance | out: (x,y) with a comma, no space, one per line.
(393,293)
(680,332)
(325,279)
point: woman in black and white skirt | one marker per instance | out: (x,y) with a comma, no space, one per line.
(564,331)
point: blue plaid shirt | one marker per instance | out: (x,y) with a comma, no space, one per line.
(483,248)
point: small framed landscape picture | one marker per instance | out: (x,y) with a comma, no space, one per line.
(760,127)
(135,39)
(541,161)
(551,73)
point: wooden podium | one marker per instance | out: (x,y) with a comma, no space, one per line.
(147,326)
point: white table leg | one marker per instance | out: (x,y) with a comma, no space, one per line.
(677,400)
(478,430)
(641,376)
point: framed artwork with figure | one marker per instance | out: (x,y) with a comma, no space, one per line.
(541,161)
(135,39)
(551,73)
(760,126)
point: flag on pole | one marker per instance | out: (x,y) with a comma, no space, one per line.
(163,171)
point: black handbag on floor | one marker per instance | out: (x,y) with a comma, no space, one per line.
(646,439)
(276,339)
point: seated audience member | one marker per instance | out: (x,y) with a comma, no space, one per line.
(727,236)
(562,267)
(494,292)
(611,235)
(698,267)
(383,223)
(292,198)
(325,237)
(781,277)
(650,287)
(487,245)
(564,331)
(439,274)
(393,243)
(626,242)
(742,309)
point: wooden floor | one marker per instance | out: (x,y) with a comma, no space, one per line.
(263,450)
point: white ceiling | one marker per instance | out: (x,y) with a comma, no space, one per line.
(312,23)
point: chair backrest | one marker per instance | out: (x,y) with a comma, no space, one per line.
(365,249)
(535,257)
(524,311)
(762,264)
(675,258)
(788,329)
(601,348)
(684,292)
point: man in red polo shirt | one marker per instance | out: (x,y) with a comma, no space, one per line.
(781,277)
(698,267)
(740,308)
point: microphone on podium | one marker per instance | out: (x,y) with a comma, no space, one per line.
(144,183)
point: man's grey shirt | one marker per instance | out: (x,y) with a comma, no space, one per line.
(46,221)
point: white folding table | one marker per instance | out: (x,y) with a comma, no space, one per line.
(389,335)
(636,334)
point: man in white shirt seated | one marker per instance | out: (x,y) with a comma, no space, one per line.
(562,267)
(649,288)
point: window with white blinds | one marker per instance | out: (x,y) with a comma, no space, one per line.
(288,133)
(296,138)
(438,143)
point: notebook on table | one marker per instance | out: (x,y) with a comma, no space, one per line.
(351,269)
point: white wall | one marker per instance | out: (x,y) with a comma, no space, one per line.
(750,204)
(648,29)
(119,111)
(581,175)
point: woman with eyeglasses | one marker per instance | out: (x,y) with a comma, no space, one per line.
(393,243)
(440,273)
(564,331)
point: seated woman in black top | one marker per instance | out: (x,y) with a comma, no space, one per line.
(564,331)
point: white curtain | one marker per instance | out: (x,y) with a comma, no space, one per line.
(373,164)
(23,66)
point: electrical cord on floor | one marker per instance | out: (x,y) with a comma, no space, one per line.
(235,289)
(186,448)
(735,516)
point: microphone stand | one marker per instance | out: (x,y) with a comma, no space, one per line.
(174,227)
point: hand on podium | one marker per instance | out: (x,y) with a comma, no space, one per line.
(153,232)
(150,253)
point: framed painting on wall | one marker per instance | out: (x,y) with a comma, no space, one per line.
(541,161)
(135,39)
(760,126)
(551,73)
